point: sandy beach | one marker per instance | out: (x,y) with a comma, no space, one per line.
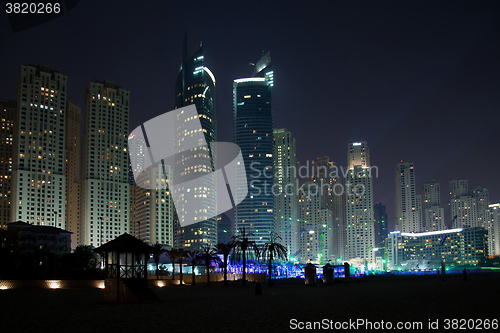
(237,309)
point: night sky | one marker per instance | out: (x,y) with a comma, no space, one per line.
(417,80)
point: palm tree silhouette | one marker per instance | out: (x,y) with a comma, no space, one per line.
(157,251)
(242,244)
(224,249)
(194,257)
(208,255)
(274,250)
(173,255)
(181,254)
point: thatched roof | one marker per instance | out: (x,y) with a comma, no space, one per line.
(125,243)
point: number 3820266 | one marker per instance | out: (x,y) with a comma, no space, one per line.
(32,8)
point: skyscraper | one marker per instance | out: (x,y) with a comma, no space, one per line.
(494,230)
(72,171)
(253,133)
(285,188)
(195,84)
(38,179)
(8,112)
(315,226)
(359,205)
(408,215)
(482,197)
(433,213)
(463,207)
(151,206)
(104,206)
(324,174)
(381,229)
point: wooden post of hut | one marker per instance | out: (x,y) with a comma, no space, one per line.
(125,265)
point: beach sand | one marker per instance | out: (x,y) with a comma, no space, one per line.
(237,309)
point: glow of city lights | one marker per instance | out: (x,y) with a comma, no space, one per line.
(430,233)
(250,79)
(54,284)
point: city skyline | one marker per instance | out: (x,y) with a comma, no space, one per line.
(451,73)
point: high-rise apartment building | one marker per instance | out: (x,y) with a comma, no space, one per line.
(494,230)
(482,197)
(104,205)
(285,190)
(253,133)
(432,212)
(324,174)
(38,178)
(195,84)
(8,113)
(315,226)
(72,171)
(151,206)
(408,215)
(359,205)
(463,207)
(381,228)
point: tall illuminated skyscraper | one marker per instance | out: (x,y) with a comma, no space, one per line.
(432,212)
(151,207)
(408,215)
(8,112)
(285,196)
(324,174)
(494,230)
(381,224)
(463,207)
(104,206)
(196,85)
(38,178)
(315,226)
(482,197)
(359,205)
(253,133)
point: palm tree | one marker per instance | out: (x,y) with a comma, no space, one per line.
(181,254)
(193,256)
(208,255)
(273,249)
(157,251)
(173,255)
(224,249)
(241,245)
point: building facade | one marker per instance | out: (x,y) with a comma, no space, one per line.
(494,230)
(432,212)
(426,250)
(407,213)
(285,190)
(38,178)
(195,84)
(253,133)
(381,228)
(8,115)
(324,174)
(315,226)
(104,206)
(359,205)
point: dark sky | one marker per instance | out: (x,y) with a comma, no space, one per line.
(417,80)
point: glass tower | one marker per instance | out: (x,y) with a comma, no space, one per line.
(253,133)
(196,85)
